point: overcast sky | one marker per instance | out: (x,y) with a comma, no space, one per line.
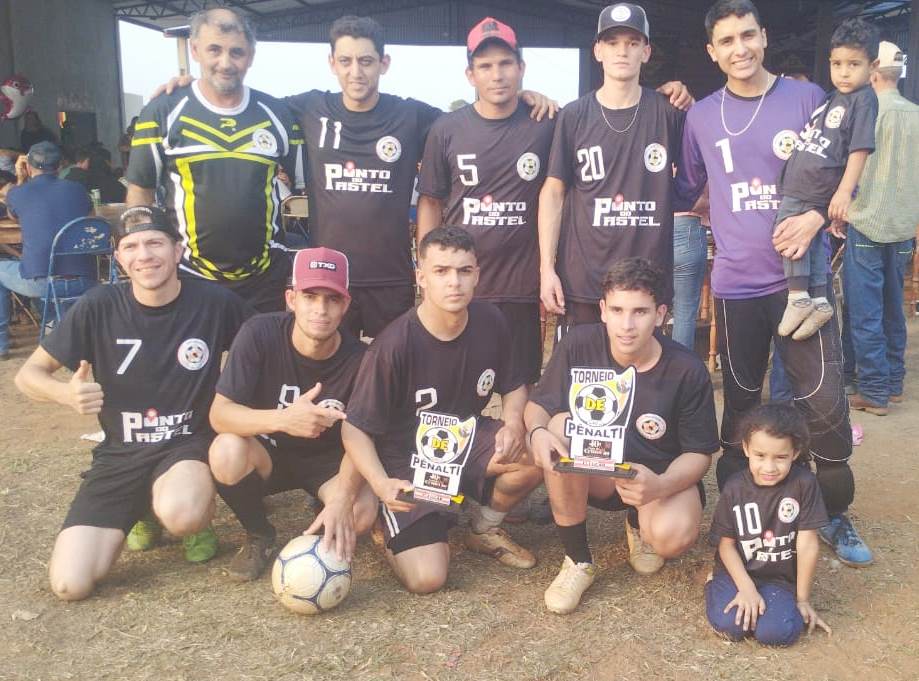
(432,74)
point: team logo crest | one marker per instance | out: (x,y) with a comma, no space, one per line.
(389,149)
(620,13)
(264,141)
(651,426)
(332,403)
(834,117)
(655,156)
(486,382)
(193,354)
(784,143)
(788,509)
(528,166)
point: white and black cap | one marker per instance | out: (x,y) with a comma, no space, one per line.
(624,15)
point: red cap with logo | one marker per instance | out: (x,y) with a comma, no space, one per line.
(491,28)
(320,268)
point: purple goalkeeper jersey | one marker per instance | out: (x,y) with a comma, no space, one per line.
(743,173)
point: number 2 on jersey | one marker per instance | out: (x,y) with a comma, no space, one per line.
(336,125)
(132,351)
(425,398)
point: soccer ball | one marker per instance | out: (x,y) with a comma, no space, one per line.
(440,445)
(308,579)
(596,405)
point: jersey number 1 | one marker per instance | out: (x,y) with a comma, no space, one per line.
(725,146)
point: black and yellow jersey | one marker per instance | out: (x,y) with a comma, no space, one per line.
(218,169)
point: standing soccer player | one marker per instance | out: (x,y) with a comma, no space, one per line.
(146,357)
(738,138)
(278,411)
(215,147)
(442,361)
(608,191)
(483,168)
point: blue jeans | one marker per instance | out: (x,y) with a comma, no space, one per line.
(779,385)
(780,625)
(689,261)
(808,272)
(12,280)
(873,285)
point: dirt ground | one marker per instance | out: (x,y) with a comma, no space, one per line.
(158,617)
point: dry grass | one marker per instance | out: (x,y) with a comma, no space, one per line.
(157,617)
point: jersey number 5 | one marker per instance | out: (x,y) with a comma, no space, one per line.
(132,352)
(465,162)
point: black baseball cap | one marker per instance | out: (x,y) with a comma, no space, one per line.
(624,15)
(44,156)
(141,219)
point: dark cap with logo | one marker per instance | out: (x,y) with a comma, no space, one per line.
(142,219)
(624,15)
(44,156)
(320,268)
(491,29)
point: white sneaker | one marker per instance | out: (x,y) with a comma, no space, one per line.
(643,559)
(565,591)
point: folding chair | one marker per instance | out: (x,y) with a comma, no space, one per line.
(295,212)
(83,236)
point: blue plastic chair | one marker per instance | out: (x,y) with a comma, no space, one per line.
(83,236)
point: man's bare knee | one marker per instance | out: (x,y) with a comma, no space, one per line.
(672,537)
(71,587)
(424,580)
(183,516)
(228,458)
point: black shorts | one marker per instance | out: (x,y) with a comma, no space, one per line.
(405,531)
(265,291)
(614,502)
(291,469)
(116,490)
(374,307)
(526,336)
(577,313)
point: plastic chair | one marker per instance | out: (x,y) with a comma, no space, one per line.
(295,211)
(83,236)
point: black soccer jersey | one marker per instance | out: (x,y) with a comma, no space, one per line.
(618,202)
(842,124)
(265,371)
(488,174)
(407,371)
(362,168)
(765,521)
(671,406)
(157,365)
(219,168)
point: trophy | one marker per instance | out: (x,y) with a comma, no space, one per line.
(600,404)
(442,446)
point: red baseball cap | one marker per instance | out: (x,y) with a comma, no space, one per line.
(490,28)
(320,268)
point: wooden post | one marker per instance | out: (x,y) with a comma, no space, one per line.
(182,47)
(822,45)
(911,86)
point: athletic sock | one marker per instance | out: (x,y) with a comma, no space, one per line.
(245,499)
(485,518)
(795,295)
(821,300)
(574,539)
(631,515)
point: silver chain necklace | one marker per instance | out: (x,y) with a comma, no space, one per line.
(755,113)
(634,116)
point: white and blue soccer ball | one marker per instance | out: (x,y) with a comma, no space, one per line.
(308,579)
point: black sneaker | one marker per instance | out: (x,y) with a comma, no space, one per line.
(252,558)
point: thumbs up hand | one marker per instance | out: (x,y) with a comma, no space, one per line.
(304,418)
(86,395)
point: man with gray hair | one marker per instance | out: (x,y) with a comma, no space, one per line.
(882,223)
(216,148)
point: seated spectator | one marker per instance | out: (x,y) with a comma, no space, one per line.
(34,131)
(43,205)
(101,177)
(79,171)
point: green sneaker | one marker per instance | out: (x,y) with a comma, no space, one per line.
(200,547)
(144,535)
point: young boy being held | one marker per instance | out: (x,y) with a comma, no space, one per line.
(824,169)
(766,521)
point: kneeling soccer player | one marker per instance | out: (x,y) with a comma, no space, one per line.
(659,398)
(146,356)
